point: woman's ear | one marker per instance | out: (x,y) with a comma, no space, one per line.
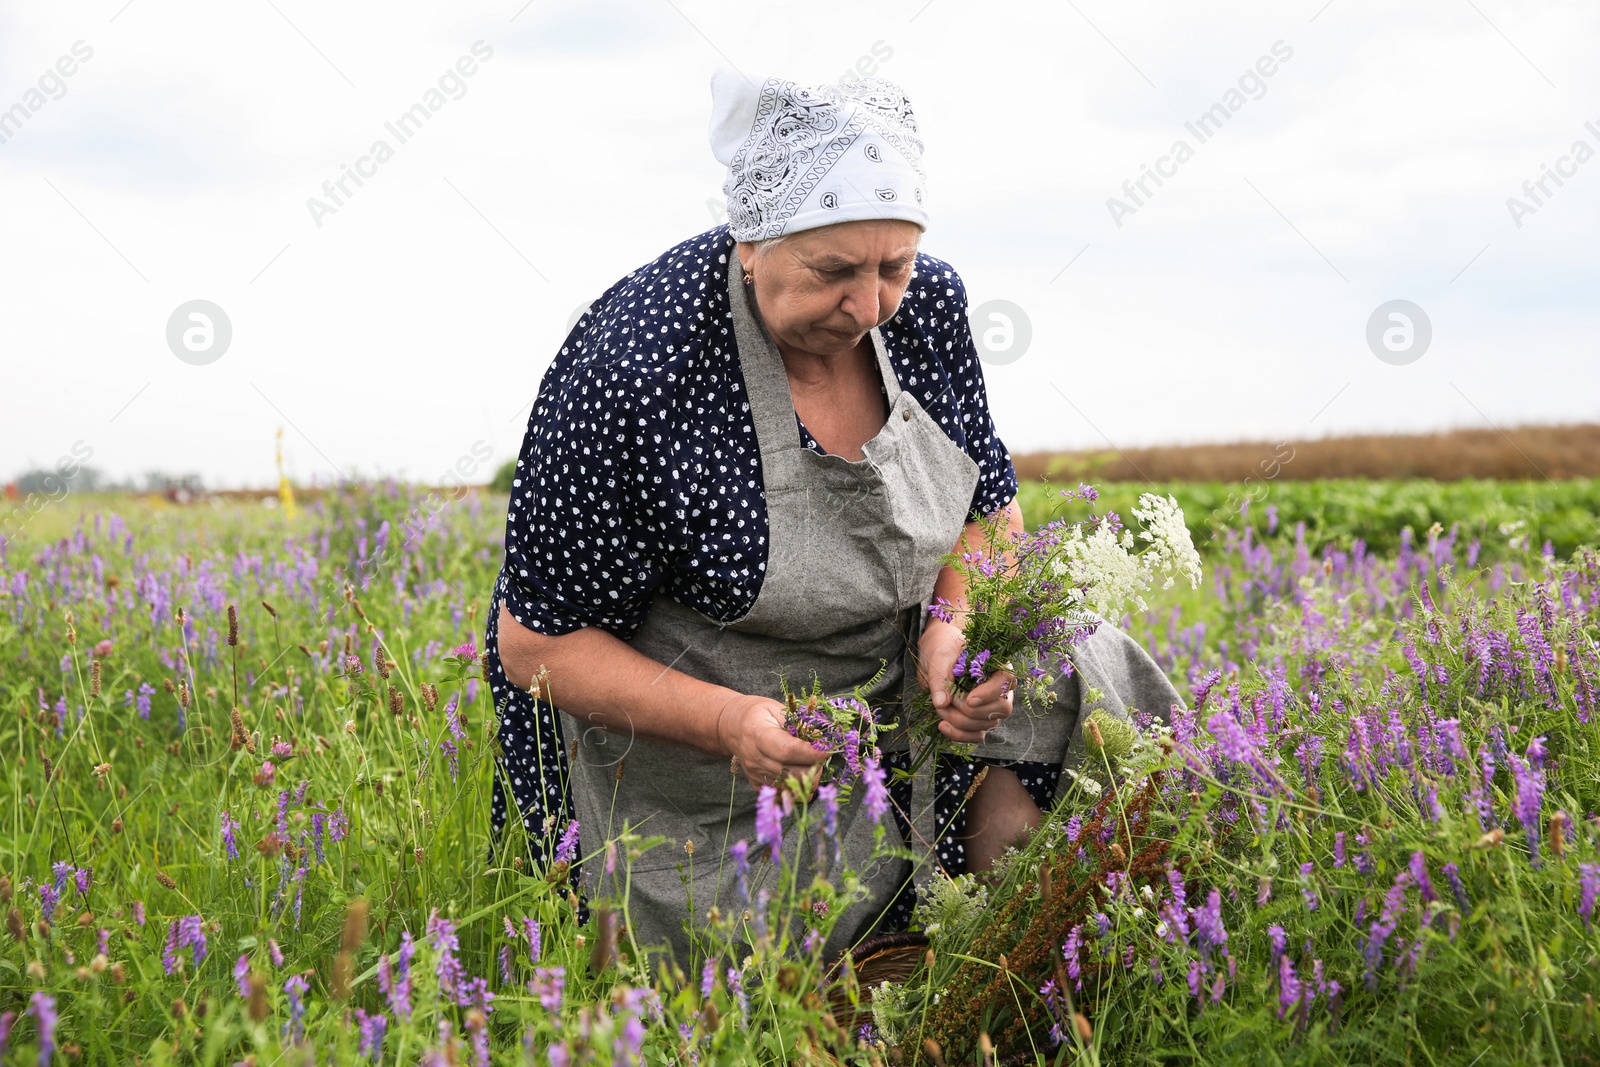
(747,255)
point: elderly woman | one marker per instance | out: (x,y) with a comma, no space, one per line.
(745,465)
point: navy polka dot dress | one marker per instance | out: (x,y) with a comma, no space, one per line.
(640,471)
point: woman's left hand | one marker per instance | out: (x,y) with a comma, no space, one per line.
(964,717)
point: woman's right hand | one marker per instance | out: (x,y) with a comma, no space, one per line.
(751,730)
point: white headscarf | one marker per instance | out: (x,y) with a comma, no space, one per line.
(801,156)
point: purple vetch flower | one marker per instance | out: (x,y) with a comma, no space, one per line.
(187,932)
(294,988)
(1589,889)
(505,965)
(769,820)
(61,871)
(1289,987)
(394,978)
(442,938)
(1074,828)
(736,987)
(1529,779)
(82,879)
(228,840)
(6,1019)
(1308,890)
(338,824)
(241,974)
(548,984)
(42,1006)
(373,1028)
(49,897)
(274,952)
(1452,874)
(530,927)
(828,796)
(740,853)
(137,907)
(1209,932)
(708,978)
(478,1035)
(877,798)
(1419,874)
(1279,939)
(1070,951)
(567,847)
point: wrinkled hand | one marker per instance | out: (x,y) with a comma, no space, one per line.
(964,717)
(751,730)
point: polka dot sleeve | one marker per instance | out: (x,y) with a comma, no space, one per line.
(997,478)
(576,554)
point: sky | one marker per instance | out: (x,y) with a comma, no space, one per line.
(1359,152)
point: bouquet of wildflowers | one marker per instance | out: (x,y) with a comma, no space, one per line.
(1032,597)
(845,727)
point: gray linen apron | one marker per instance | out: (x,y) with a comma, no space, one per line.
(853,554)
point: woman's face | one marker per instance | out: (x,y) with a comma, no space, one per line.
(821,290)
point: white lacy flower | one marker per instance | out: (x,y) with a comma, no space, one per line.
(1171,550)
(1112,574)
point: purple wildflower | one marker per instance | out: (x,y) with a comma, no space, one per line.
(187,932)
(49,897)
(708,978)
(1070,950)
(294,987)
(1419,874)
(567,847)
(1289,988)
(1279,939)
(1452,874)
(228,840)
(877,798)
(736,987)
(373,1028)
(769,820)
(1308,890)
(42,1006)
(1589,889)
(6,1019)
(241,974)
(1208,928)
(442,937)
(338,824)
(740,852)
(1529,778)
(82,879)
(548,984)
(530,927)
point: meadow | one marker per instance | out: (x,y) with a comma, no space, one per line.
(246,814)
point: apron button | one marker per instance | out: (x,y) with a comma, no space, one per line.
(906,415)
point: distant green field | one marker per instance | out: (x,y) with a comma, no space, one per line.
(1340,511)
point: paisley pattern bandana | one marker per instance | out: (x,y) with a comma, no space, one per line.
(802,156)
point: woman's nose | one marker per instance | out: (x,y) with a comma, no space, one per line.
(861,303)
